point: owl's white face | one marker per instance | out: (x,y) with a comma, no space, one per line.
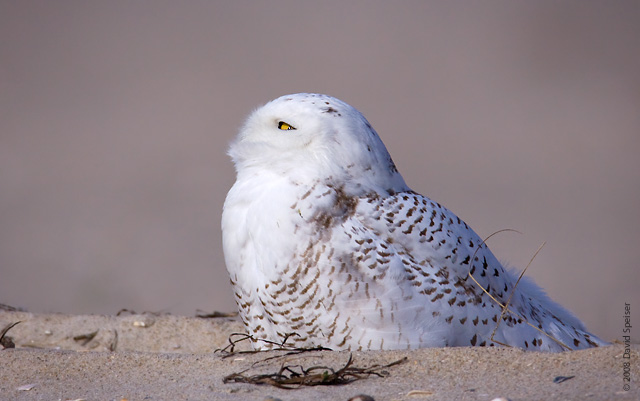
(314,137)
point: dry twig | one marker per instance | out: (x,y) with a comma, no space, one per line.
(230,351)
(296,376)
(84,339)
(6,341)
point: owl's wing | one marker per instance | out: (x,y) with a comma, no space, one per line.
(436,242)
(402,264)
(443,259)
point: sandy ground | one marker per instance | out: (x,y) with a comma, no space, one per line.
(149,357)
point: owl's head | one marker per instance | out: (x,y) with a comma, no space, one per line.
(310,137)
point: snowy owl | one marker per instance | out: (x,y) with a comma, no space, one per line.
(326,245)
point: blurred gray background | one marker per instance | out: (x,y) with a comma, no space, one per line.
(115,118)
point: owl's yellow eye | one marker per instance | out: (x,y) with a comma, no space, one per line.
(284,126)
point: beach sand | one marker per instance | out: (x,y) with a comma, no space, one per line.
(166,357)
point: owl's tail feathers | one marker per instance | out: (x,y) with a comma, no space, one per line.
(550,327)
(543,331)
(572,338)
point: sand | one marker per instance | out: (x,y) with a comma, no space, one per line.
(165,357)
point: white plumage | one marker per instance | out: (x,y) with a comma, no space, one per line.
(327,246)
